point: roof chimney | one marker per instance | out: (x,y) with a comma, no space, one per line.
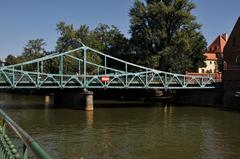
(225,36)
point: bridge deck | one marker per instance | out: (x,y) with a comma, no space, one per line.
(19,76)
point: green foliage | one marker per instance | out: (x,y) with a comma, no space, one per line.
(71,38)
(165,35)
(32,50)
(104,38)
(10,60)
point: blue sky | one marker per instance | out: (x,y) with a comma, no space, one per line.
(23,20)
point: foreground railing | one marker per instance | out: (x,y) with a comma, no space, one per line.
(8,150)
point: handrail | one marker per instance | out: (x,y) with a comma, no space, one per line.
(15,77)
(27,140)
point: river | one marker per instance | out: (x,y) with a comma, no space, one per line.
(152,132)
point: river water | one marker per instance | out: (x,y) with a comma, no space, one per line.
(152,132)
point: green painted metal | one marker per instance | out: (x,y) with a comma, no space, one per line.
(9,151)
(17,76)
(85,68)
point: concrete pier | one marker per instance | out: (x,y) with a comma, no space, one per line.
(88,97)
(47,101)
(82,100)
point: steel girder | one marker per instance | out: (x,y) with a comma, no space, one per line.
(16,76)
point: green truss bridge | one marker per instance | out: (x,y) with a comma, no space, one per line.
(90,69)
(81,68)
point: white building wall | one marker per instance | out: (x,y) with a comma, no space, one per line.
(211,67)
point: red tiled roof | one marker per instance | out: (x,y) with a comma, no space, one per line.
(210,56)
(218,44)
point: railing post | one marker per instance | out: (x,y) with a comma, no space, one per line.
(61,65)
(146,80)
(79,67)
(13,77)
(38,69)
(85,67)
(165,82)
(105,65)
(41,66)
(4,127)
(126,72)
(25,152)
(61,69)
(184,81)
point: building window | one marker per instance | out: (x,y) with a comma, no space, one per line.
(202,70)
(210,62)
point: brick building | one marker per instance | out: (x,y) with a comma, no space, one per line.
(213,54)
(231,74)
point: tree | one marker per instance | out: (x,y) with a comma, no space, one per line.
(11,60)
(166,36)
(71,38)
(104,38)
(111,41)
(33,49)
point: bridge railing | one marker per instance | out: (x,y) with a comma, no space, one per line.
(84,67)
(8,150)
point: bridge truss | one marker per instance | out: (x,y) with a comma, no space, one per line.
(79,68)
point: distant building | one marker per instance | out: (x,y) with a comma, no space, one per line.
(2,63)
(218,45)
(232,49)
(213,54)
(211,63)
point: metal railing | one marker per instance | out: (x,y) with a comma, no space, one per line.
(126,76)
(8,150)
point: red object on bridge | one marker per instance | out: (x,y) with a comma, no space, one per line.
(105,78)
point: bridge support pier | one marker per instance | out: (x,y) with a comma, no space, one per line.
(88,100)
(47,100)
(82,100)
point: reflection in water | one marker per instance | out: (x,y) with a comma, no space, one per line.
(147,132)
(89,118)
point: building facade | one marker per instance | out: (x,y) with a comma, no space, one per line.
(211,64)
(231,74)
(214,55)
(214,59)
